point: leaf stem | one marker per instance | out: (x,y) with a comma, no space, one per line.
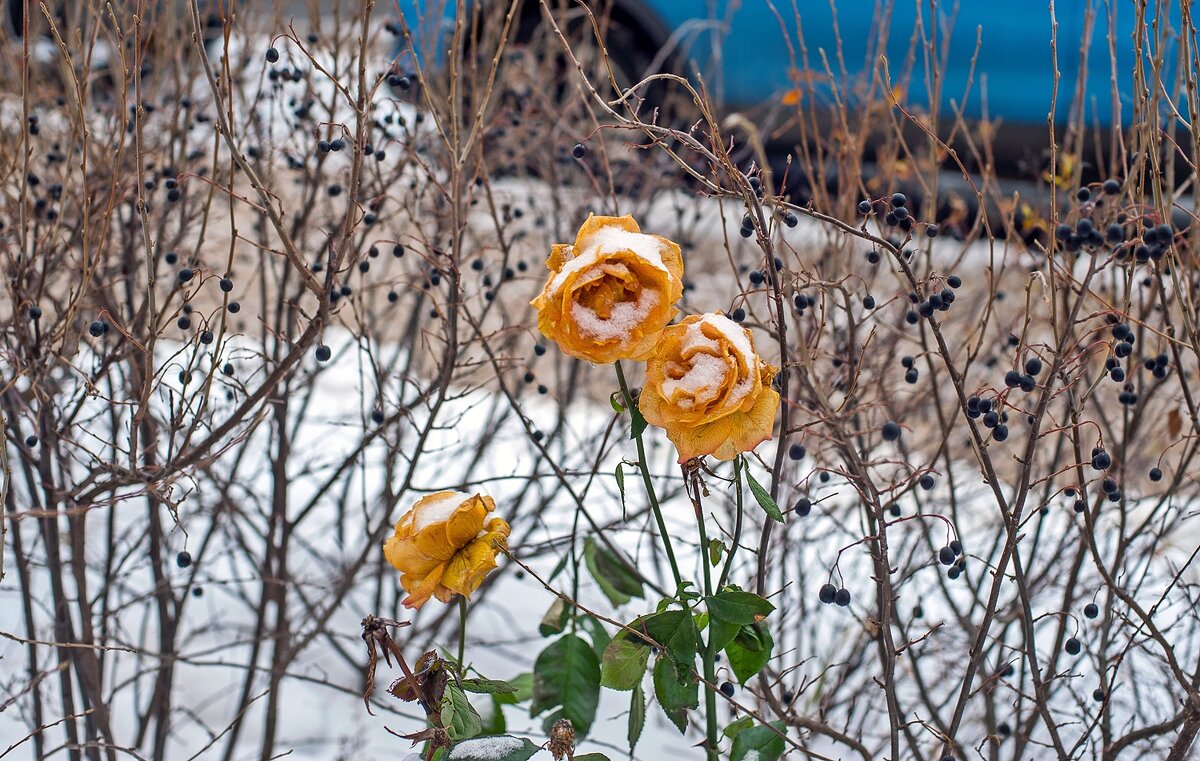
(643,466)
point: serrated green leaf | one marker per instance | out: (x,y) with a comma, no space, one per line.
(637,423)
(637,716)
(523,686)
(567,674)
(555,620)
(493,748)
(734,727)
(458,715)
(721,633)
(675,630)
(750,651)
(488,686)
(765,744)
(677,691)
(616,579)
(624,664)
(737,607)
(763,497)
(732,609)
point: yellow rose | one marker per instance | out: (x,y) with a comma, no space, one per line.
(610,293)
(708,389)
(445,545)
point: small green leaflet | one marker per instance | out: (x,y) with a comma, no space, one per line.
(493,748)
(763,497)
(732,609)
(749,651)
(624,663)
(489,686)
(637,716)
(638,424)
(738,607)
(458,716)
(522,685)
(616,579)
(734,727)
(677,690)
(592,757)
(716,548)
(761,741)
(616,399)
(675,630)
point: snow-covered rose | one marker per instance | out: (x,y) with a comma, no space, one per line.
(708,389)
(610,293)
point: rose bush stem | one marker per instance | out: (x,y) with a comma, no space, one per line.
(709,654)
(643,466)
(462,633)
(738,465)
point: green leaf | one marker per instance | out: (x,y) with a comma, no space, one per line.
(734,727)
(737,607)
(617,580)
(675,630)
(493,748)
(732,609)
(716,548)
(555,619)
(637,716)
(763,497)
(523,686)
(721,633)
(761,741)
(621,488)
(624,663)
(599,635)
(638,422)
(458,715)
(489,686)
(592,757)
(617,401)
(750,651)
(677,690)
(567,674)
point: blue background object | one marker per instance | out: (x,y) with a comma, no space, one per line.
(749,53)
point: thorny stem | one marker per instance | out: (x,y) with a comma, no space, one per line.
(644,468)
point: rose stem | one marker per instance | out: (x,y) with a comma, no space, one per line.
(710,654)
(738,465)
(462,634)
(644,468)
